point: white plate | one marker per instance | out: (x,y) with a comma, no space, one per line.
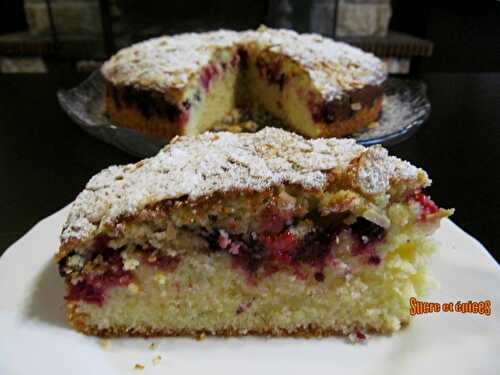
(34,337)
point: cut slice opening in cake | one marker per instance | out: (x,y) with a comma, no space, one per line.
(281,87)
(217,95)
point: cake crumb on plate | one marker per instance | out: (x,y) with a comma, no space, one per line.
(105,343)
(156,359)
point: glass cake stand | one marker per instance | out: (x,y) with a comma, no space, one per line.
(404,109)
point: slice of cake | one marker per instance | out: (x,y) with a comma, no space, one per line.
(234,234)
(185,84)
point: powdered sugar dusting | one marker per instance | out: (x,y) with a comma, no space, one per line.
(334,67)
(199,166)
(172,62)
(166,62)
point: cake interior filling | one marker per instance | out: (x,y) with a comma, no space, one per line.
(281,87)
(302,239)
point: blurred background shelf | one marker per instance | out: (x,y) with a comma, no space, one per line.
(20,44)
(25,44)
(91,30)
(413,37)
(394,44)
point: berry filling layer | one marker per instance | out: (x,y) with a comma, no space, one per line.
(329,111)
(281,246)
(109,269)
(93,286)
(283,236)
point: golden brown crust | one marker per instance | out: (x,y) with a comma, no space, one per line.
(78,322)
(132,118)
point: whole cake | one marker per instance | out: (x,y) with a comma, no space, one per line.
(184,84)
(261,233)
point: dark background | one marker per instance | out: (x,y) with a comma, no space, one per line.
(45,159)
(466,37)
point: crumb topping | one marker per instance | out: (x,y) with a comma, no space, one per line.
(168,61)
(334,67)
(171,62)
(197,167)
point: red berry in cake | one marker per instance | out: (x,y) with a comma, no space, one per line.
(281,245)
(427,205)
(274,222)
(224,239)
(184,117)
(360,335)
(101,242)
(94,286)
(374,260)
(208,73)
(235,60)
(319,276)
(156,258)
(299,273)
(315,249)
(165,262)
(367,231)
(235,248)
